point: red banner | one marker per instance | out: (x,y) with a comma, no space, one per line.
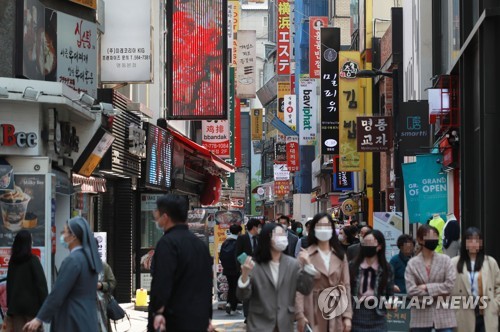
(284,48)
(281,188)
(315,24)
(292,153)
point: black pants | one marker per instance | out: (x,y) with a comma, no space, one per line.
(232,282)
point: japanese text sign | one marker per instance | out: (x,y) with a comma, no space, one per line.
(374,133)
(283,38)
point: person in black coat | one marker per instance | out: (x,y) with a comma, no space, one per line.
(292,237)
(26,283)
(181,289)
(230,268)
(247,243)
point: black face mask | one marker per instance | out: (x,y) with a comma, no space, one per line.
(431,244)
(368,251)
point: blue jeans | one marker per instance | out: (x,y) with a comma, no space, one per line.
(430,329)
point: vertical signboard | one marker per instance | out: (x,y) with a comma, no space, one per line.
(256,122)
(245,70)
(350,106)
(413,127)
(283,90)
(126,48)
(280,153)
(307,111)
(292,153)
(342,181)
(315,25)
(231,106)
(237,133)
(290,111)
(283,38)
(234,30)
(215,137)
(197,66)
(330,46)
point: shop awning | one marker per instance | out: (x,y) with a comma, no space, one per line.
(90,184)
(221,164)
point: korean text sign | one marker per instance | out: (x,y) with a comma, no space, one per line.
(374,133)
(315,25)
(215,137)
(292,153)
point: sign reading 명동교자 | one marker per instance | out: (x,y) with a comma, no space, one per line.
(374,133)
(350,106)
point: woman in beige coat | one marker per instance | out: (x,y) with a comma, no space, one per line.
(473,265)
(328,257)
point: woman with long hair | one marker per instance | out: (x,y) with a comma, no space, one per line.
(72,304)
(478,275)
(430,274)
(347,236)
(26,283)
(372,281)
(270,281)
(328,257)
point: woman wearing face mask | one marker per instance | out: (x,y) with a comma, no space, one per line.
(328,257)
(372,281)
(72,304)
(430,274)
(270,283)
(347,237)
(478,276)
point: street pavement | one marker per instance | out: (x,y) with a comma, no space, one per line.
(139,321)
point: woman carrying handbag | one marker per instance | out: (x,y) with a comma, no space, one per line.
(478,275)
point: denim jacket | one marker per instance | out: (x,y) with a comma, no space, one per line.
(389,290)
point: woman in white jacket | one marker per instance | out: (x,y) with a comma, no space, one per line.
(478,275)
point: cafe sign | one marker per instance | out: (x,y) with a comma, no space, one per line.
(12,137)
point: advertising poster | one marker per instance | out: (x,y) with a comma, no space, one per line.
(391,225)
(23,208)
(223,219)
(198,224)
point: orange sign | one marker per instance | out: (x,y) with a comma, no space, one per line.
(87,3)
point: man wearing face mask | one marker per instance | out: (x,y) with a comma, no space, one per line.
(430,274)
(181,289)
(292,238)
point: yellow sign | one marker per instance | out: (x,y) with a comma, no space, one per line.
(350,106)
(256,119)
(87,3)
(283,89)
(350,207)
(235,28)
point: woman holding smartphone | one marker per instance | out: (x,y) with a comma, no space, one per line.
(272,280)
(328,257)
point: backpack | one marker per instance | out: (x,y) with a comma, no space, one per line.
(227,255)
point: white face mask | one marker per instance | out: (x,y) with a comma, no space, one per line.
(158,227)
(323,234)
(280,242)
(341,237)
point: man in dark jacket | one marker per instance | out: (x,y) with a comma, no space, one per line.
(292,237)
(181,289)
(230,266)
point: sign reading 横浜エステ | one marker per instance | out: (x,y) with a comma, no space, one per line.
(330,46)
(283,38)
(307,111)
(426,188)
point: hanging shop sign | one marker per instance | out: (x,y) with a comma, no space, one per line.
(342,181)
(413,127)
(315,25)
(215,137)
(281,172)
(374,133)
(94,152)
(159,147)
(330,46)
(280,152)
(283,38)
(349,207)
(245,70)
(256,119)
(290,111)
(292,153)
(307,111)
(281,187)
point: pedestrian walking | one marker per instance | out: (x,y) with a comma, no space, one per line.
(72,304)
(270,281)
(230,266)
(297,228)
(347,236)
(430,274)
(248,243)
(292,237)
(302,242)
(354,249)
(106,283)
(329,259)
(181,289)
(451,236)
(372,281)
(406,245)
(26,284)
(478,275)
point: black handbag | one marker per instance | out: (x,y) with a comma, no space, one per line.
(113,309)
